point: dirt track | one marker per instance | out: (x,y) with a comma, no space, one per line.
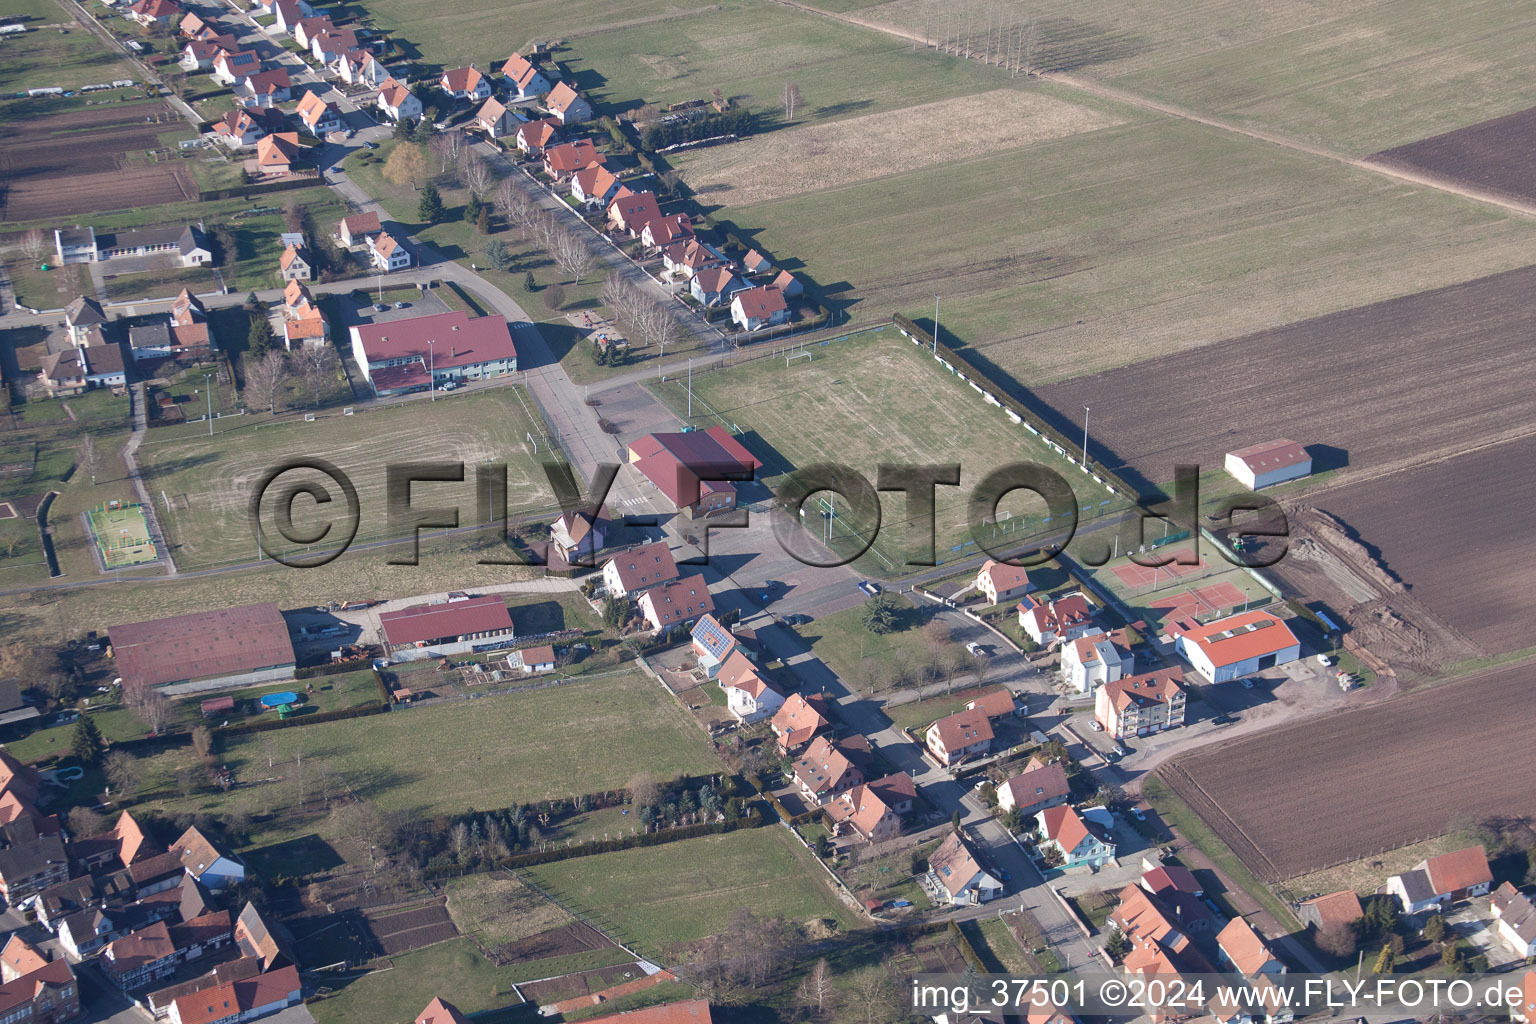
(1493,157)
(1330,790)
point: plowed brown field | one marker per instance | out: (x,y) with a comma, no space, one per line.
(1335,789)
(1492,155)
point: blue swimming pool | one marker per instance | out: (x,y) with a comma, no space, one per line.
(273,700)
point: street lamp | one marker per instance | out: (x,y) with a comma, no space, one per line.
(209,392)
(1085,437)
(432,368)
(935,325)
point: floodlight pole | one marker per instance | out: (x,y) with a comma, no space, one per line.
(690,387)
(1085,437)
(206,378)
(935,325)
(432,368)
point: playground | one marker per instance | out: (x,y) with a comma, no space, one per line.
(121,535)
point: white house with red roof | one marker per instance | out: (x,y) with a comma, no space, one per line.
(748,695)
(455,626)
(358,228)
(828,767)
(874,811)
(799,721)
(532,138)
(565,159)
(1066,618)
(155,13)
(1448,878)
(959,737)
(465,84)
(678,603)
(396,101)
(290,12)
(386,253)
(1268,463)
(306,29)
(1093,660)
(631,213)
(1038,786)
(714,285)
(1082,838)
(265,88)
(1141,705)
(524,77)
(958,877)
(1244,950)
(230,67)
(319,117)
(664,232)
(596,185)
(1236,646)
(410,353)
(567,105)
(756,308)
(1001,582)
(235,1002)
(638,568)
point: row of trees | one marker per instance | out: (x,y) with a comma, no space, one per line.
(268,376)
(735,121)
(997,33)
(638,313)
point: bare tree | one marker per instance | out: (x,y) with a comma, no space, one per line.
(572,254)
(791,99)
(478,175)
(265,379)
(88,454)
(202,741)
(443,151)
(151,706)
(816,992)
(269,750)
(1029,46)
(33,244)
(122,772)
(643,790)
(516,205)
(316,364)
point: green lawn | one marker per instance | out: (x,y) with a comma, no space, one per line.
(924,712)
(487,753)
(216,475)
(1115,246)
(48,58)
(116,723)
(453,970)
(648,896)
(875,399)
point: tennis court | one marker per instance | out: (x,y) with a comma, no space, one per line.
(1200,602)
(1134,576)
(121,535)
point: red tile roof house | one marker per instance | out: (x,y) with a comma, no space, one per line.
(995,704)
(292,265)
(207,861)
(1443,880)
(229,68)
(495,119)
(533,659)
(760,307)
(155,12)
(265,88)
(1039,786)
(465,84)
(748,696)
(452,627)
(1001,582)
(1084,839)
(960,878)
(386,253)
(1091,661)
(319,117)
(714,285)
(799,721)
(827,769)
(564,160)
(693,1011)
(1141,705)
(567,105)
(45,992)
(1066,618)
(686,257)
(1523,1010)
(447,346)
(1236,646)
(240,646)
(199,54)
(276,154)
(152,953)
(1244,950)
(305,31)
(1335,910)
(358,228)
(533,138)
(578,535)
(959,737)
(1515,920)
(596,185)
(440,1011)
(874,811)
(632,212)
(639,567)
(694,470)
(663,232)
(1272,462)
(524,77)
(397,101)
(237,1001)
(679,603)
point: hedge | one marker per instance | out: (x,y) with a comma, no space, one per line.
(333,668)
(751,819)
(966,949)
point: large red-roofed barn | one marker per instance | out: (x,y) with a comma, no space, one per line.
(445,346)
(231,646)
(453,627)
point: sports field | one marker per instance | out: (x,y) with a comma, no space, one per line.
(878,398)
(684,891)
(208,481)
(121,536)
(1204,590)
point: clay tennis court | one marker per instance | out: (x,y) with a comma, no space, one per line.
(1216,599)
(1137,576)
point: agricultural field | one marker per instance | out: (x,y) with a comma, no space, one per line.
(498,909)
(1489,156)
(208,481)
(448,967)
(64,55)
(486,753)
(1461,533)
(1344,776)
(874,399)
(1442,372)
(1128,243)
(643,895)
(1358,75)
(89,160)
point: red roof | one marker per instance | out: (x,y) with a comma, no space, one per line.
(428,622)
(1268,456)
(201,644)
(363,224)
(25,989)
(561,97)
(635,210)
(693,1011)
(1461,869)
(1244,946)
(456,340)
(1039,784)
(1003,576)
(1149,688)
(685,465)
(1240,638)
(644,565)
(572,156)
(461,80)
(760,303)
(963,729)
(440,1011)
(211,1004)
(678,601)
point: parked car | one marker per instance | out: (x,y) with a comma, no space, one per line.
(448,385)
(869,588)
(1136,813)
(381,307)
(402,305)
(370,145)
(974,648)
(1096,726)
(1120,750)
(797,619)
(1247,684)
(1324,660)
(1222,720)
